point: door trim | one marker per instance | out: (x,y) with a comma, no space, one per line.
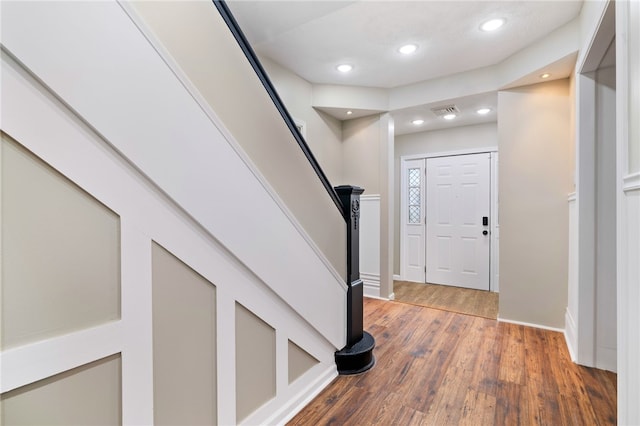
(493,185)
(488,149)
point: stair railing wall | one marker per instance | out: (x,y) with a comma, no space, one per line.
(277,101)
(346,199)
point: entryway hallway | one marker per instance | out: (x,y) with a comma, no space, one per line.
(441,368)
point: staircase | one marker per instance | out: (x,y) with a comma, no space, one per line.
(357,356)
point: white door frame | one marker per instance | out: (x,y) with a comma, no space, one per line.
(494,222)
(583,342)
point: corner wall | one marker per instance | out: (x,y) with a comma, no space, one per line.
(360,153)
(323,132)
(368,146)
(534,146)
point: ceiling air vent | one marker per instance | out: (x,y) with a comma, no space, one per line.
(444,110)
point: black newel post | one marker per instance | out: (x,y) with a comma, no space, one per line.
(350,197)
(357,356)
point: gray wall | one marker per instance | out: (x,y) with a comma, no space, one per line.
(534,144)
(49,223)
(299,361)
(255,362)
(367,148)
(86,395)
(184,343)
(361,156)
(323,132)
(457,138)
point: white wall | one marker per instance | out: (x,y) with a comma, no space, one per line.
(370,244)
(598,31)
(628,207)
(591,311)
(534,139)
(605,267)
(600,22)
(573,289)
(447,140)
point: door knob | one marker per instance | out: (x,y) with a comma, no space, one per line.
(485,232)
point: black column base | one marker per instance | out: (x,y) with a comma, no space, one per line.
(358,358)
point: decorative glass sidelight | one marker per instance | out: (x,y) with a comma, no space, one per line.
(414,195)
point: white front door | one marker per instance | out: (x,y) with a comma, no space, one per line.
(457,235)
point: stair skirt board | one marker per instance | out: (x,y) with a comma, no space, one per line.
(298,395)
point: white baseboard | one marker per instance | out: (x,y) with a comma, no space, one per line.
(606,359)
(570,335)
(373,292)
(377,297)
(302,398)
(396,277)
(528,324)
(392,296)
(371,284)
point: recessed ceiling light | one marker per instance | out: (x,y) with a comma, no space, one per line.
(408,49)
(492,24)
(483,111)
(545,75)
(417,122)
(349,112)
(449,116)
(344,67)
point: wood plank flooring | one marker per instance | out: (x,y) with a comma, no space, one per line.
(454,299)
(435,367)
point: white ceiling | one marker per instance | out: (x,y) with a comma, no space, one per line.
(467,105)
(311,38)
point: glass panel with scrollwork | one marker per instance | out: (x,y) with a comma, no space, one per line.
(414,204)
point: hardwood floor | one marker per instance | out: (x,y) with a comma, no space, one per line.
(435,367)
(454,299)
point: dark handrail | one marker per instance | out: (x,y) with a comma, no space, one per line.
(262,75)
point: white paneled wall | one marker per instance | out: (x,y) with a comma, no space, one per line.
(370,244)
(571,315)
(628,207)
(629,303)
(84,91)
